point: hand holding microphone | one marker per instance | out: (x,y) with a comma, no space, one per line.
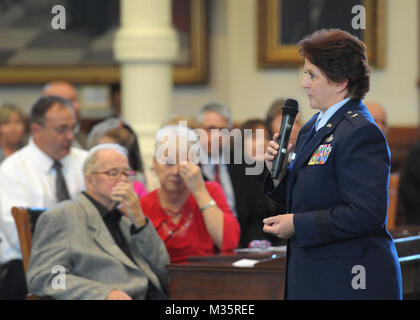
(277,151)
(272,151)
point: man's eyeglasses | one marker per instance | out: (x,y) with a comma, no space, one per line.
(64,129)
(116,174)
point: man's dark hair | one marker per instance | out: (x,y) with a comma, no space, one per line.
(43,104)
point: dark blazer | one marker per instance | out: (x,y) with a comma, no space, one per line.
(252,206)
(340,211)
(74,236)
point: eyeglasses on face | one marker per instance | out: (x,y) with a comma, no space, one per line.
(116,173)
(64,129)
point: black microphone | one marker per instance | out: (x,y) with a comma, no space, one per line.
(290,110)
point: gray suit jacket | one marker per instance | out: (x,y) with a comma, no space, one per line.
(73,237)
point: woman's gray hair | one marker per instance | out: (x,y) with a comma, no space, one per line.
(172,140)
(220,109)
(176,131)
(93,154)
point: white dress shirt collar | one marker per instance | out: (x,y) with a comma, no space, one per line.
(44,161)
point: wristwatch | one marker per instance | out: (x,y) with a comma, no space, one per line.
(209,204)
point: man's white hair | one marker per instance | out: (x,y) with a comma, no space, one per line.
(220,109)
(93,154)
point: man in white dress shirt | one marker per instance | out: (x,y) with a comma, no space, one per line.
(45,172)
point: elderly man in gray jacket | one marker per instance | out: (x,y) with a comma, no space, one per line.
(100,245)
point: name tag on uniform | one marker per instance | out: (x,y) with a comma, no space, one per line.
(320,155)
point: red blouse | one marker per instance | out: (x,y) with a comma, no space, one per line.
(189,237)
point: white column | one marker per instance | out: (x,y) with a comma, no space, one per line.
(146,45)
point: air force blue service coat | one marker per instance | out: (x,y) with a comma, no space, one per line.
(337,188)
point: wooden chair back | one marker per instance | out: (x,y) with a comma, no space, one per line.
(25,219)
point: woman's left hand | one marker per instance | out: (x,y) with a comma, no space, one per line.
(191,174)
(281,225)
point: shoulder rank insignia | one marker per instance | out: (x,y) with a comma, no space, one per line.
(355,115)
(320,155)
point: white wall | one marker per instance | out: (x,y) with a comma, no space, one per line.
(22,96)
(236,80)
(395,86)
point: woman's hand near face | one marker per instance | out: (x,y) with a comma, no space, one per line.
(192,176)
(213,216)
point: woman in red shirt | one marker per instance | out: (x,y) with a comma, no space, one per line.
(190,215)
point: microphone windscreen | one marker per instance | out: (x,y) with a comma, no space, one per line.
(291,106)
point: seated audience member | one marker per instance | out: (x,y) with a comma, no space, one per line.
(252,142)
(98,131)
(253,205)
(180,120)
(190,215)
(43,173)
(273,120)
(128,139)
(105,246)
(379,115)
(409,188)
(67,91)
(216,118)
(12,130)
(152,179)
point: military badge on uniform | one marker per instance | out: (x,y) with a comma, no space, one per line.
(329,139)
(320,155)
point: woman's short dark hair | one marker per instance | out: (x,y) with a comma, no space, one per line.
(340,56)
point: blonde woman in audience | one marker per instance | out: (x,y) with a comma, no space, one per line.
(12,130)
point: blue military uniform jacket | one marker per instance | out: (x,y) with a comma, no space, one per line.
(337,188)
